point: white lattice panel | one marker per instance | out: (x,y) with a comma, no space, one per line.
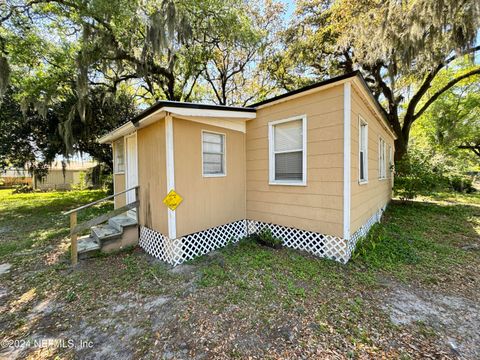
(160,246)
(327,246)
(364,229)
(179,250)
(203,242)
(185,248)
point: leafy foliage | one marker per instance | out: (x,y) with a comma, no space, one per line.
(266,237)
(29,139)
(400,47)
(416,175)
(68,63)
(423,173)
(451,125)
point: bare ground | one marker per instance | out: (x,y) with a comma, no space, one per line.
(187,321)
(251,302)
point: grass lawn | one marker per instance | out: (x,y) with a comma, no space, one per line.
(410,291)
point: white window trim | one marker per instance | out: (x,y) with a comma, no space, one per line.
(390,161)
(361,121)
(271,152)
(224,154)
(114,147)
(382,149)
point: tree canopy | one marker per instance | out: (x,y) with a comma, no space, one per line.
(63,59)
(451,126)
(399,46)
(72,69)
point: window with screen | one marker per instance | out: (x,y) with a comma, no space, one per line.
(287,151)
(382,159)
(390,161)
(119,159)
(363,151)
(213,154)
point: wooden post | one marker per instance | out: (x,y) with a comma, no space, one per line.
(137,198)
(73,246)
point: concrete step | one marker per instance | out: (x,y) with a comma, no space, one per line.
(121,221)
(87,246)
(105,232)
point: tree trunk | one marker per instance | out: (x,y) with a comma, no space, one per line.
(401,148)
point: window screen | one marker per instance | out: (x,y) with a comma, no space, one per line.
(213,147)
(363,157)
(288,151)
(119,150)
(390,161)
(382,159)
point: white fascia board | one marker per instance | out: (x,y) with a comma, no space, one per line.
(210,113)
(150,119)
(123,130)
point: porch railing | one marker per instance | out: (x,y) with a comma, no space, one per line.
(77,228)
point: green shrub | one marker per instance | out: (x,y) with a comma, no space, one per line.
(22,189)
(107,183)
(416,175)
(265,235)
(379,250)
(463,184)
(82,182)
(101,176)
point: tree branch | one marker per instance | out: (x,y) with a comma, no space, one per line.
(443,89)
(409,114)
(474,148)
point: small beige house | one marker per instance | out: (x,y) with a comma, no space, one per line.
(312,165)
(59,178)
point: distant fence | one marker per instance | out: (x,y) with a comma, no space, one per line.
(8,182)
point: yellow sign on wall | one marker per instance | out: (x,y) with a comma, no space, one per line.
(172,200)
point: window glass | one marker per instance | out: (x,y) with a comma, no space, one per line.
(288,136)
(363,157)
(119,160)
(288,151)
(213,148)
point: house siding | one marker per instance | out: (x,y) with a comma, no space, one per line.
(119,186)
(207,201)
(367,199)
(318,206)
(56,179)
(152,176)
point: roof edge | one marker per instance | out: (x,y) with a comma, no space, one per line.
(186,105)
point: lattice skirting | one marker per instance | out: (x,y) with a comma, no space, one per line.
(327,246)
(187,247)
(177,251)
(364,229)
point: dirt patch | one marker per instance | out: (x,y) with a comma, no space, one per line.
(111,331)
(5,268)
(455,318)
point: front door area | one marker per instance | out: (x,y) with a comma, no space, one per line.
(131,178)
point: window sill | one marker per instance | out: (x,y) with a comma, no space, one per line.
(362,182)
(287,183)
(213,175)
(382,179)
(119,173)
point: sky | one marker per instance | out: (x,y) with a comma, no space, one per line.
(290,8)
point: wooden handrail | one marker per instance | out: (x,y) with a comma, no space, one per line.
(102,218)
(98,201)
(76,228)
